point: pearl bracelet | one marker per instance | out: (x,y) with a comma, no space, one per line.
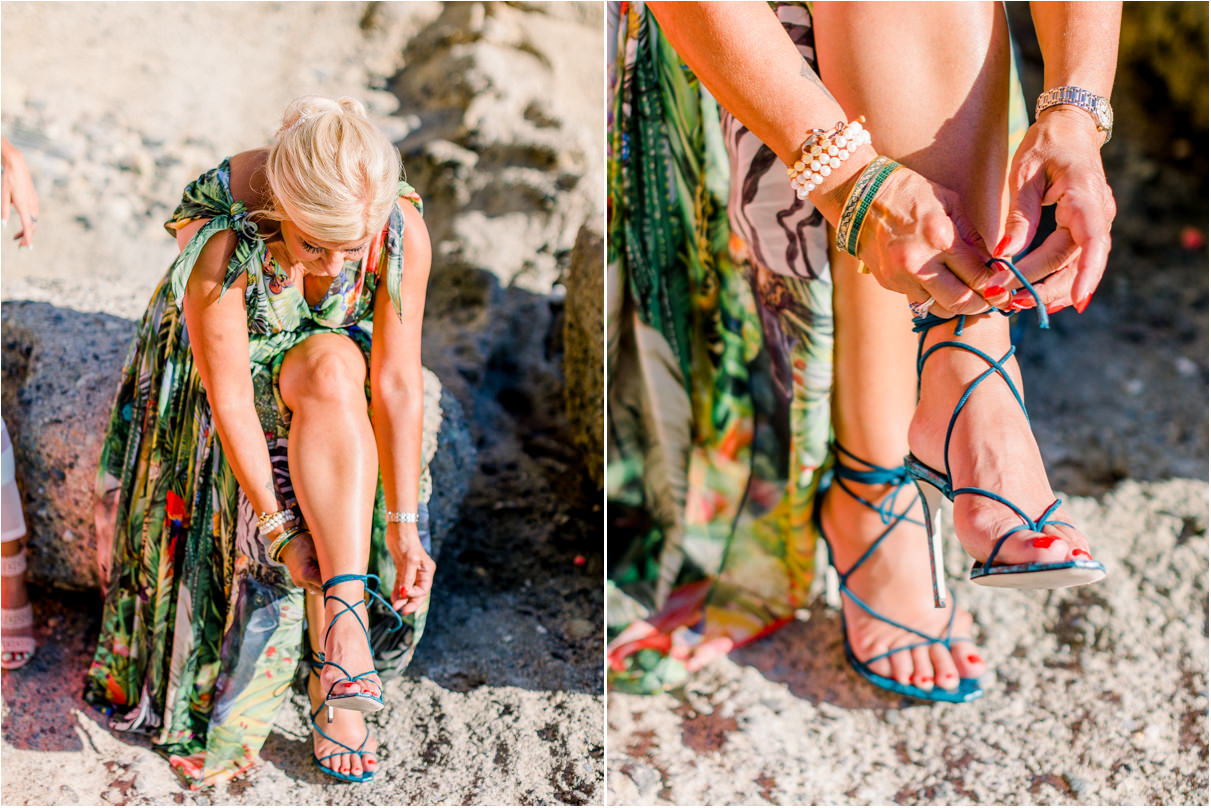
(412,517)
(268,522)
(824,151)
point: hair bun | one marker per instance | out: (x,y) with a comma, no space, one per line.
(307,107)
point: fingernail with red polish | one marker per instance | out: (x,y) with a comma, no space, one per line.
(992,290)
(1024,299)
(1052,308)
(1083,303)
(1001,245)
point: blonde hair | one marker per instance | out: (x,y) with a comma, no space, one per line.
(330,171)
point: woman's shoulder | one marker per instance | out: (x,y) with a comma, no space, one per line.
(246,181)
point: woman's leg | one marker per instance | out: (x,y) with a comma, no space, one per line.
(18,632)
(932,80)
(334,472)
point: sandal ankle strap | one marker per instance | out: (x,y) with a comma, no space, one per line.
(13,565)
(20,617)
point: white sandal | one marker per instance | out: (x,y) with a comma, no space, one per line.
(15,650)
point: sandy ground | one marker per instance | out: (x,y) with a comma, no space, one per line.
(116,106)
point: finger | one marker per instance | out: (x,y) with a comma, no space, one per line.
(1025,204)
(424,580)
(404,582)
(27,227)
(1056,251)
(1055,291)
(1089,225)
(941,280)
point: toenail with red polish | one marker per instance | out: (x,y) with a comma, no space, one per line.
(1044,542)
(1079,553)
(973,659)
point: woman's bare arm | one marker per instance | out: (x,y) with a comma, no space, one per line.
(397,410)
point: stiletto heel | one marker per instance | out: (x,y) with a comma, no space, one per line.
(931,500)
(896,478)
(1051,575)
(362,702)
(316,662)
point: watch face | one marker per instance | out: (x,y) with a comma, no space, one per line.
(1105,117)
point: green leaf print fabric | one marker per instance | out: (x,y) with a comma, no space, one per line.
(719,378)
(200,632)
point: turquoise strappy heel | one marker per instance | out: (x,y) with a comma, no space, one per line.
(933,484)
(968,689)
(316,662)
(362,702)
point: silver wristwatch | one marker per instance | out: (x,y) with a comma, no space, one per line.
(1096,105)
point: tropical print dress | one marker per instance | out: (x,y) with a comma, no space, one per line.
(201,633)
(719,335)
(720,338)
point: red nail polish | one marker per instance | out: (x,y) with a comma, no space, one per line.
(992,290)
(1083,303)
(1023,299)
(1052,308)
(1044,542)
(973,659)
(1079,553)
(1001,245)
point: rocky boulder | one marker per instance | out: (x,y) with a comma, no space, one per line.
(583,359)
(61,368)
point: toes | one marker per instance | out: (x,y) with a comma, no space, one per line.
(967,660)
(369,761)
(901,666)
(945,675)
(922,668)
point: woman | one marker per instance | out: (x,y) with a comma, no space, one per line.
(275,376)
(931,81)
(16,614)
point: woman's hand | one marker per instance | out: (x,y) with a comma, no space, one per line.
(17,191)
(916,240)
(414,568)
(1060,163)
(299,557)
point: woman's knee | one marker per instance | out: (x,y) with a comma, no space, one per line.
(329,372)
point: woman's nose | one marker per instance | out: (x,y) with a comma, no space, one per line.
(333,260)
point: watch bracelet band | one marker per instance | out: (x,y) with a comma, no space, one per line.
(1076,97)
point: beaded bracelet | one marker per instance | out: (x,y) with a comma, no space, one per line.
(268,522)
(857,204)
(279,544)
(410,517)
(824,151)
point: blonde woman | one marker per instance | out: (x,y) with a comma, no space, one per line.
(275,376)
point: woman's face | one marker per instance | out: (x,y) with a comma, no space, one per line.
(317,257)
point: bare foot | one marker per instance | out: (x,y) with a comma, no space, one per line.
(348,740)
(17,644)
(346,644)
(894,581)
(991,447)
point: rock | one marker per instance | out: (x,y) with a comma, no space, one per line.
(61,368)
(583,325)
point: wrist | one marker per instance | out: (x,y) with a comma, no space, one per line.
(1073,122)
(829,196)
